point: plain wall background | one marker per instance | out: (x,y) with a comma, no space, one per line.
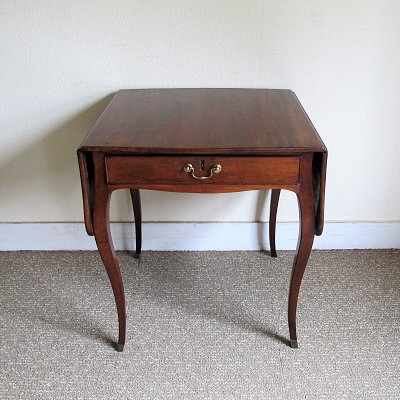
(60,61)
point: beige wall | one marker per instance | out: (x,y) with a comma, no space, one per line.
(60,61)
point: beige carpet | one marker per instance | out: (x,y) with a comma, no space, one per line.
(201,325)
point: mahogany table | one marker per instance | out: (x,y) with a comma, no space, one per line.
(203,141)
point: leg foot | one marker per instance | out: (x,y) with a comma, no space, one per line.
(293,344)
(120,347)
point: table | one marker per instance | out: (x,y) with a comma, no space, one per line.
(203,141)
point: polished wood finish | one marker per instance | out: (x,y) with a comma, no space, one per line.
(263,139)
(203,121)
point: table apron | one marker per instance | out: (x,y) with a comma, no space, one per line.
(202,174)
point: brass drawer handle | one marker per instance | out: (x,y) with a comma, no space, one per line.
(215,169)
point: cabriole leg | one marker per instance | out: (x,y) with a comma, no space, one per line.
(101,225)
(306,237)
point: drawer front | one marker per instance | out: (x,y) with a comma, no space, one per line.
(156,170)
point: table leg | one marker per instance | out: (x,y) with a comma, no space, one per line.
(306,237)
(101,227)
(137,212)
(275,193)
(110,261)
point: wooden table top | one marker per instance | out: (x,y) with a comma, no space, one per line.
(204,121)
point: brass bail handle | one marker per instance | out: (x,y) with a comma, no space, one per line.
(215,169)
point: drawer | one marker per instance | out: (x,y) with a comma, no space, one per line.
(248,170)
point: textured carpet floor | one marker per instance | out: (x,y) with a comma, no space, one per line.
(201,325)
